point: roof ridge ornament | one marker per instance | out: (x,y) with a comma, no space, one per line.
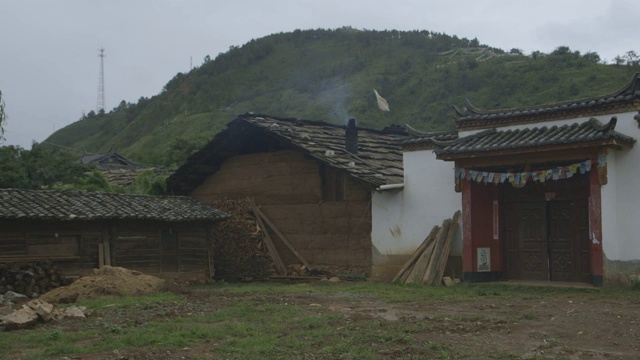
(608,127)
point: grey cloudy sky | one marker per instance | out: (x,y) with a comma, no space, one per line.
(49,63)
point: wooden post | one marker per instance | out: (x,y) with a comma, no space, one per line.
(100,256)
(416,254)
(106,247)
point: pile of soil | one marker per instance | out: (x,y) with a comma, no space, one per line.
(108,281)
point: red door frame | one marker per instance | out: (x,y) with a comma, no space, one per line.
(595,230)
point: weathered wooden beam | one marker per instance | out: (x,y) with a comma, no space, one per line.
(259,212)
(430,274)
(280,267)
(420,268)
(444,257)
(416,254)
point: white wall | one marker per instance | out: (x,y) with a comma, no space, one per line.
(402,219)
(622,240)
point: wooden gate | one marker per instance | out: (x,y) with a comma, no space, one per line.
(547,241)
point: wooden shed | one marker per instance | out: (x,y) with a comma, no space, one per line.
(313,180)
(80,230)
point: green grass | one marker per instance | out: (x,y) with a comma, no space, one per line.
(256,322)
(411,293)
(119,302)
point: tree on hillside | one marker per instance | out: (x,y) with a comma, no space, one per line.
(41,168)
(3,118)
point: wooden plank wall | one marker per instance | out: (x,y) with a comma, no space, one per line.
(136,246)
(194,248)
(73,245)
(335,236)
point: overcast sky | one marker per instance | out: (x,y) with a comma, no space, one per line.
(49,64)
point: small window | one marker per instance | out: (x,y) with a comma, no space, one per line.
(333,184)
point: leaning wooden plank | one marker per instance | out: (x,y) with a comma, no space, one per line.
(423,262)
(416,254)
(430,274)
(282,237)
(445,249)
(405,278)
(266,239)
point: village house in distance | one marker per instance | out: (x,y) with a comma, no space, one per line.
(546,192)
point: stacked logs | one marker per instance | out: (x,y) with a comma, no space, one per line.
(31,278)
(238,249)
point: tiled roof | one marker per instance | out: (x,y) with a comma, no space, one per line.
(427,138)
(85,205)
(493,140)
(473,117)
(377,162)
(110,160)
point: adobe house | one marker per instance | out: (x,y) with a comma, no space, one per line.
(79,230)
(548,192)
(319,183)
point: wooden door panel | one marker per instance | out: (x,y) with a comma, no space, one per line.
(569,241)
(534,264)
(561,249)
(510,231)
(581,226)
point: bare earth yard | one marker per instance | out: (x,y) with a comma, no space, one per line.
(322,320)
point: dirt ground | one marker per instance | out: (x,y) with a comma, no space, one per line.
(565,325)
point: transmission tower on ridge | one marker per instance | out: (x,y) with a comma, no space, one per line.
(101,103)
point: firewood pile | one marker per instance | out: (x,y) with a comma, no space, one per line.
(31,278)
(238,248)
(427,264)
(244,244)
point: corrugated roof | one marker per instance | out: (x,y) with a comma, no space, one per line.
(472,117)
(492,140)
(86,205)
(378,161)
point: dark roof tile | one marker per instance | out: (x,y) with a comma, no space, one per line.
(85,205)
(470,115)
(491,140)
(377,162)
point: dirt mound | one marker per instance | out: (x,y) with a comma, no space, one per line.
(108,281)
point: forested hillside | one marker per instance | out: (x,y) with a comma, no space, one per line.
(330,75)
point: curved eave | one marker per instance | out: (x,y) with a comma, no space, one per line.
(607,143)
(624,99)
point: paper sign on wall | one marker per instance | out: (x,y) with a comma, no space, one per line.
(484,259)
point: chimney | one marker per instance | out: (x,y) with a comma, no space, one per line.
(351,138)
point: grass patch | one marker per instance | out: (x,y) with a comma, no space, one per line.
(409,293)
(127,301)
(267,324)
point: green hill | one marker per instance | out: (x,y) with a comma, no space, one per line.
(330,75)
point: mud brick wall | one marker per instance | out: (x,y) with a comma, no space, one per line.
(330,235)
